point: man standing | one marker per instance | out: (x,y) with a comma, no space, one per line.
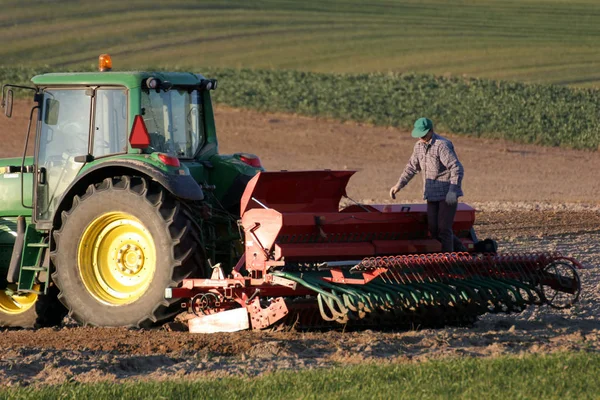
(442,177)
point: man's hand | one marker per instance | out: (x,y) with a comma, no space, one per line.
(451,198)
(395,189)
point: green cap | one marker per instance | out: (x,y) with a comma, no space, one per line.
(422,127)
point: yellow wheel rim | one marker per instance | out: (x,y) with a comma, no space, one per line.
(116,258)
(17,304)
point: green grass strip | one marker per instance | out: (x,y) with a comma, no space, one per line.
(549,115)
(558,376)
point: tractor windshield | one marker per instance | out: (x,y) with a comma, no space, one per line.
(174,120)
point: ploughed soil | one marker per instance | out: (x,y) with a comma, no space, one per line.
(529,198)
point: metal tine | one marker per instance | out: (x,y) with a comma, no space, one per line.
(521,265)
(430,279)
(421,261)
(402,270)
(402,296)
(432,265)
(444,268)
(524,266)
(320,300)
(473,292)
(428,264)
(393,264)
(539,272)
(381,297)
(350,297)
(405,270)
(530,269)
(385,264)
(367,306)
(395,268)
(388,262)
(443,265)
(404,264)
(516,270)
(447,272)
(478,268)
(450,265)
(398,269)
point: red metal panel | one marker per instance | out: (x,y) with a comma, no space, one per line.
(261,228)
(296,191)
(261,318)
(262,225)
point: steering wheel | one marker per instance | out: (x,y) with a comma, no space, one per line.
(73,128)
(77,135)
(78,131)
(158,143)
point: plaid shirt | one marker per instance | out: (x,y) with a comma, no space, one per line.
(442,171)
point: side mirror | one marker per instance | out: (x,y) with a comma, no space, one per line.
(7,103)
(7,97)
(208,84)
(51,112)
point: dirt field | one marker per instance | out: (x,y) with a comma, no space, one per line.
(530,198)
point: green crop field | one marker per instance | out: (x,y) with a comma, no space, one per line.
(543,114)
(549,41)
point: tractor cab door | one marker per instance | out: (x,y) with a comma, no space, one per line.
(64,132)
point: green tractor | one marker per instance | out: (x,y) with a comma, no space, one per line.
(125,196)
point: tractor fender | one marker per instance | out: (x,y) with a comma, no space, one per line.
(182,186)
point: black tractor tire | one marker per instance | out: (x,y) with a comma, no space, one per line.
(47,311)
(168,229)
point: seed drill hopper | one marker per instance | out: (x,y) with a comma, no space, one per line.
(309,263)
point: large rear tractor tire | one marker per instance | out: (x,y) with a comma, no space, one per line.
(30,310)
(119,246)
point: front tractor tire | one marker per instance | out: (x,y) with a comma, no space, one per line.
(119,246)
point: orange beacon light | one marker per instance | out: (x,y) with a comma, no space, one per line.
(104,63)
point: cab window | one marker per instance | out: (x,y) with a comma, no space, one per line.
(110,122)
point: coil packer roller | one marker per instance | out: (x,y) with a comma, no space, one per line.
(309,263)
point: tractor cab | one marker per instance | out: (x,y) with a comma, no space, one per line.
(88,117)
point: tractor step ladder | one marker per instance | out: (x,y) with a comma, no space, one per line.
(32,262)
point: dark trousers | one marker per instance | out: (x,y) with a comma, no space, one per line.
(440,217)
